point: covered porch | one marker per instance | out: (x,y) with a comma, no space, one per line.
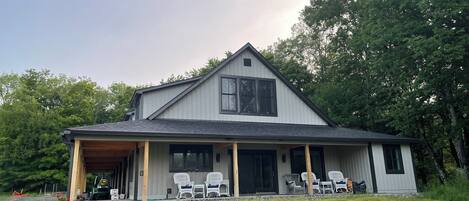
(144,169)
(143,156)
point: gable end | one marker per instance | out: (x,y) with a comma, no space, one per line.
(258,55)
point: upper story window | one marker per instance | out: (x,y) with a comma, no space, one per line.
(229,94)
(247,62)
(393,159)
(246,95)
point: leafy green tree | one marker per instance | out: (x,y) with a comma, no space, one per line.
(392,66)
(36,106)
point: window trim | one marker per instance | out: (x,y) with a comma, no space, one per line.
(238,109)
(392,171)
(192,147)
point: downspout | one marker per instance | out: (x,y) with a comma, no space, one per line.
(372,168)
(136,161)
(71,146)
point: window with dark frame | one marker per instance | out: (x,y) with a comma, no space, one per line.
(229,96)
(393,159)
(247,62)
(266,94)
(247,96)
(250,96)
(191,158)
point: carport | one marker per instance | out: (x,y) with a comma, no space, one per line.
(96,156)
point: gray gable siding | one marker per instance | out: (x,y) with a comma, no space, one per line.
(152,101)
(203,103)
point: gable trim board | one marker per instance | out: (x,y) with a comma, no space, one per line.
(258,55)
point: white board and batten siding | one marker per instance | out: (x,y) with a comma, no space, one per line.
(394,183)
(160,177)
(352,161)
(153,100)
(203,103)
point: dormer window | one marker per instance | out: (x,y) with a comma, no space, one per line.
(249,96)
(247,62)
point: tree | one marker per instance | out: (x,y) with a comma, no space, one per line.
(36,106)
(393,66)
(196,72)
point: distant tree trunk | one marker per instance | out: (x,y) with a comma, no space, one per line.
(454,153)
(458,139)
(439,167)
(422,172)
(466,140)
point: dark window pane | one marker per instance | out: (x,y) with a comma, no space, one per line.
(393,159)
(247,62)
(228,94)
(247,100)
(191,158)
(178,161)
(267,102)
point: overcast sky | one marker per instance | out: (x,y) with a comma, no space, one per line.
(136,42)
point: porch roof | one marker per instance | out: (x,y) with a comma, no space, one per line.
(234,130)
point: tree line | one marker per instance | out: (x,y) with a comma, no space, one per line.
(36,107)
(398,67)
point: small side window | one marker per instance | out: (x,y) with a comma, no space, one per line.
(393,159)
(247,62)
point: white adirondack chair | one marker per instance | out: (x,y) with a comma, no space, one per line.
(212,183)
(315,181)
(185,185)
(338,180)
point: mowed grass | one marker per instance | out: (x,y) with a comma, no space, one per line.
(6,197)
(347,198)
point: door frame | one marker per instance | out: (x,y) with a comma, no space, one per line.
(275,179)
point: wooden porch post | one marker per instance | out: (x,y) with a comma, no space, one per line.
(75,170)
(235,170)
(146,155)
(82,178)
(308,170)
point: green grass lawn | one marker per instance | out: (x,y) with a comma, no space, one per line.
(5,197)
(348,198)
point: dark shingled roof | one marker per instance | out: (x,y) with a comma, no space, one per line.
(236,130)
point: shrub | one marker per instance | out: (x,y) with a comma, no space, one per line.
(457,189)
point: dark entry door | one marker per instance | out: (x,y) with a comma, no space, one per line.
(298,163)
(257,171)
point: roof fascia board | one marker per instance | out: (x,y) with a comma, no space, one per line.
(145,135)
(209,140)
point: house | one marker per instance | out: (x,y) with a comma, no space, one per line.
(243,119)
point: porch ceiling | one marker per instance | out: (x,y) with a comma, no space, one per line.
(103,155)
